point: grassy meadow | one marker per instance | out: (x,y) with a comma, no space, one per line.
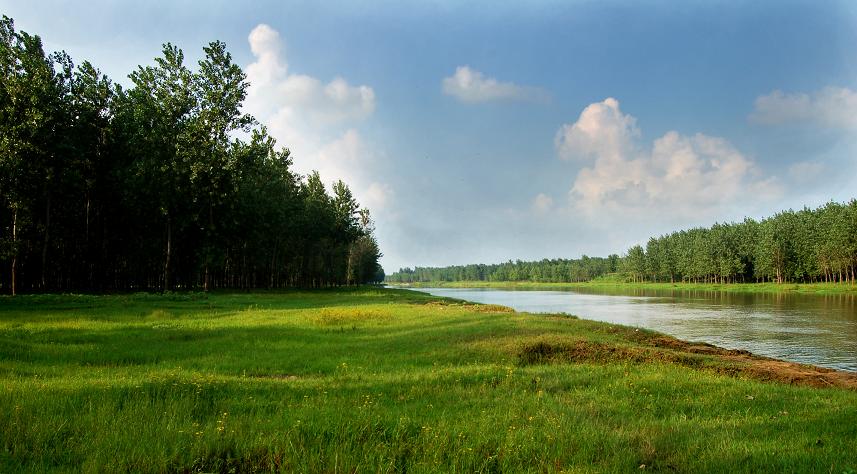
(380,380)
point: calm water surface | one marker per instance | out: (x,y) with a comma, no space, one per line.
(813,329)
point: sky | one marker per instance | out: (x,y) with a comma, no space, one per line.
(479,132)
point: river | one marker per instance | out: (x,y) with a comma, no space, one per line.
(812,329)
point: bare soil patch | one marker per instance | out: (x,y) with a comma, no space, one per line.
(660,348)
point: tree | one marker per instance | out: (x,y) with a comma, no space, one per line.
(363,259)
(636,262)
(162,106)
(33,115)
(219,88)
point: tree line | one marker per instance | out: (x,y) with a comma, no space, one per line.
(166,185)
(809,245)
(555,270)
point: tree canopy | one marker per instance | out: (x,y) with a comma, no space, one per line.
(166,185)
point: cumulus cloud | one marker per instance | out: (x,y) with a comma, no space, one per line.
(317,120)
(832,107)
(602,130)
(685,176)
(471,86)
(276,91)
(266,46)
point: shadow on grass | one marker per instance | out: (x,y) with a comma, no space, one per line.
(38,308)
(280,348)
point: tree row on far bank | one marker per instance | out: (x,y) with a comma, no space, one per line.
(810,245)
(555,270)
(103,188)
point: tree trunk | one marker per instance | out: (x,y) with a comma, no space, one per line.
(45,243)
(87,252)
(86,235)
(206,284)
(245,278)
(273,264)
(14,250)
(167,275)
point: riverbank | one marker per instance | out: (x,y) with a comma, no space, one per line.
(807,288)
(390,380)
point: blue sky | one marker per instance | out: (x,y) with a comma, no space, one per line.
(489,131)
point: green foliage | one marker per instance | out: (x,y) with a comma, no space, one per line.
(166,185)
(811,245)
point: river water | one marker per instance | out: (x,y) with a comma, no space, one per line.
(811,329)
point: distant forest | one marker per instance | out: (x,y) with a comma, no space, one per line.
(810,245)
(166,185)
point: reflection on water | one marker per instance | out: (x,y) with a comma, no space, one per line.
(813,329)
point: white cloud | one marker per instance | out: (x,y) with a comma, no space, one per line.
(316,120)
(276,92)
(471,86)
(602,130)
(379,196)
(338,156)
(832,107)
(680,176)
(542,203)
(807,172)
(350,159)
(266,47)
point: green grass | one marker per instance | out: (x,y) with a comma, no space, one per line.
(613,285)
(377,380)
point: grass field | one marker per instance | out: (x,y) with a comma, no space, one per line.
(376,380)
(618,286)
